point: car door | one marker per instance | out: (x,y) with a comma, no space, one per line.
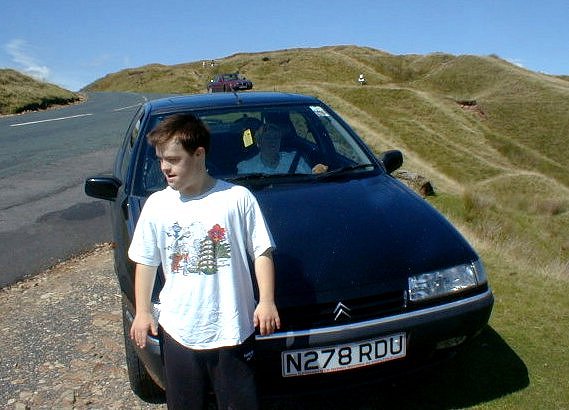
(120,208)
(217,84)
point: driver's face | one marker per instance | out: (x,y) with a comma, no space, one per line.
(270,141)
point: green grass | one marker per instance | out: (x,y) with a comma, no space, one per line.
(492,138)
(521,362)
(20,93)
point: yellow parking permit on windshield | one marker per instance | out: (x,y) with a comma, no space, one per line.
(247,138)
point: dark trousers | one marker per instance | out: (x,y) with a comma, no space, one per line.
(191,374)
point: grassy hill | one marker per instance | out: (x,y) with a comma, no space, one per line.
(492,138)
(19,93)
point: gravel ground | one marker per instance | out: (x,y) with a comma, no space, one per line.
(62,343)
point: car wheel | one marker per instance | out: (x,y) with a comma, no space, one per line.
(140,381)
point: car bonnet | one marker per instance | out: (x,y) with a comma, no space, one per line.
(355,238)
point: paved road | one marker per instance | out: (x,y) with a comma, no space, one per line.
(44,159)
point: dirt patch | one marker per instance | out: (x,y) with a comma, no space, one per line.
(472,106)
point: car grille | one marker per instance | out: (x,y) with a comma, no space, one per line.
(351,310)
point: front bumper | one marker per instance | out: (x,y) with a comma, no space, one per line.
(431,333)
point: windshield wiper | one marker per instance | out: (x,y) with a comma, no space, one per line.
(258,176)
(343,170)
(246,177)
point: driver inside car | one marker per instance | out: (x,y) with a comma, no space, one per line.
(270,159)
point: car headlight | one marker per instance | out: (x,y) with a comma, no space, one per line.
(446,281)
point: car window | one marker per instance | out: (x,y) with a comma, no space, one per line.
(152,179)
(285,140)
(128,143)
(343,143)
(301,126)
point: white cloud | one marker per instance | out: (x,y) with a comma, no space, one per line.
(19,51)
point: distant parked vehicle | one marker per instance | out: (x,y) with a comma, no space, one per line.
(229,82)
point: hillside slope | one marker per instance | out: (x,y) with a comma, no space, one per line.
(19,93)
(490,136)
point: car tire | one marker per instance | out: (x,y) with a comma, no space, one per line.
(140,381)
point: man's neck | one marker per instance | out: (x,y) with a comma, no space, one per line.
(206,183)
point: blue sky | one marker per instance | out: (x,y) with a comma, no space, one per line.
(74,42)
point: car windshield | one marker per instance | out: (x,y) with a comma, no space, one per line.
(302,142)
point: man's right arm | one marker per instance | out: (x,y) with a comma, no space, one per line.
(143,320)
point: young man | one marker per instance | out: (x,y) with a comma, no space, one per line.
(202,230)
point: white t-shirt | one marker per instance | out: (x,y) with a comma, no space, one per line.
(255,164)
(202,243)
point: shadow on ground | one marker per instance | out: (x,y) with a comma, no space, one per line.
(486,370)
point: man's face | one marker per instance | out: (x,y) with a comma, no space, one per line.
(270,142)
(183,171)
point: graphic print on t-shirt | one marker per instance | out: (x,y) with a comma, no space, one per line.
(197,250)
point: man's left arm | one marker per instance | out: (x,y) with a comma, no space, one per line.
(266,316)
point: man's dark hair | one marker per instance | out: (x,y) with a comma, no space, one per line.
(186,129)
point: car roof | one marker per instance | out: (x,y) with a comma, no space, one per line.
(226,100)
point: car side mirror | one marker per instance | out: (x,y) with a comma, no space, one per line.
(392,160)
(100,187)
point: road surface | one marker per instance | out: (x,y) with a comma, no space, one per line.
(45,157)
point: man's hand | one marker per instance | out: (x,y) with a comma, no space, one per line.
(142,324)
(319,169)
(266,318)
(143,320)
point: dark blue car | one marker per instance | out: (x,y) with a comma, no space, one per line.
(371,280)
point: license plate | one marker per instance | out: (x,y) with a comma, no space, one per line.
(343,357)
